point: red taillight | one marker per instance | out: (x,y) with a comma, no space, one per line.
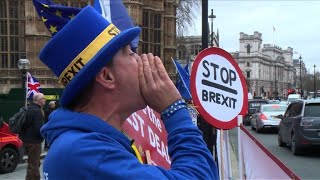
(262,117)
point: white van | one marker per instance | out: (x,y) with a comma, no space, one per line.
(293,97)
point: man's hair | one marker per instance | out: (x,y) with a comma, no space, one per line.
(52,103)
(85,94)
(36,97)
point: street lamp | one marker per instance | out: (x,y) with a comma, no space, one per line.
(24,65)
(300,58)
(211,17)
(314,81)
(275,81)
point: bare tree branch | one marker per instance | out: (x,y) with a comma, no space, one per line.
(185,15)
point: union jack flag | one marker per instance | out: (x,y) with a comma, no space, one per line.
(33,86)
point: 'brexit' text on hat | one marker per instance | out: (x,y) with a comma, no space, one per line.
(87,54)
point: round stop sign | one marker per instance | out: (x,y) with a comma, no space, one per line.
(218,88)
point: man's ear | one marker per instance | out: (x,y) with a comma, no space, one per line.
(106,78)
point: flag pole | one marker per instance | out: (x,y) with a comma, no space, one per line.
(273,36)
(26,90)
(181,77)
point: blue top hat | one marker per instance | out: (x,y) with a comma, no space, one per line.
(81,48)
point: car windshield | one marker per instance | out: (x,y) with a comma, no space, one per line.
(292,99)
(312,110)
(274,108)
(274,102)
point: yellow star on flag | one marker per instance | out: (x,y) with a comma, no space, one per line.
(44,19)
(45,5)
(71,16)
(58,13)
(53,29)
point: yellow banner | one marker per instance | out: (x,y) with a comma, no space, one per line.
(52,97)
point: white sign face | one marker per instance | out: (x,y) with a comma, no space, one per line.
(217,87)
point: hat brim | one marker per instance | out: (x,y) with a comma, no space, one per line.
(90,70)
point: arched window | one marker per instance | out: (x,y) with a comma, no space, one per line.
(13,9)
(3,9)
(248,48)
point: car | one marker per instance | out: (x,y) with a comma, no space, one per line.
(267,116)
(293,97)
(300,126)
(253,104)
(11,149)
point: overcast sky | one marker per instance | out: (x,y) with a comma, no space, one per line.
(296,23)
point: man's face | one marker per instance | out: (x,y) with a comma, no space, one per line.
(42,100)
(125,68)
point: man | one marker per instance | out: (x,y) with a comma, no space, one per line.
(105,82)
(51,108)
(31,136)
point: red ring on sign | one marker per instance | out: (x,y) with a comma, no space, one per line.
(212,120)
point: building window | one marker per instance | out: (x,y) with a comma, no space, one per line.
(248,48)
(157,36)
(3,43)
(248,74)
(157,50)
(9,33)
(145,34)
(14,27)
(145,19)
(3,27)
(14,58)
(145,47)
(3,9)
(195,49)
(248,64)
(3,60)
(14,44)
(157,21)
(13,9)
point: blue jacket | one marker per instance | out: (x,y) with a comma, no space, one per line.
(82,146)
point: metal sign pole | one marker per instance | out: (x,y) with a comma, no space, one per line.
(227,141)
(240,155)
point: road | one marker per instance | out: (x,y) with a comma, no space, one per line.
(19,173)
(305,166)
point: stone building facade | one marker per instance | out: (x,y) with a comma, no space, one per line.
(190,46)
(269,69)
(21,30)
(303,69)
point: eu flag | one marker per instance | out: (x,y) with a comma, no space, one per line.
(183,81)
(186,68)
(54,16)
